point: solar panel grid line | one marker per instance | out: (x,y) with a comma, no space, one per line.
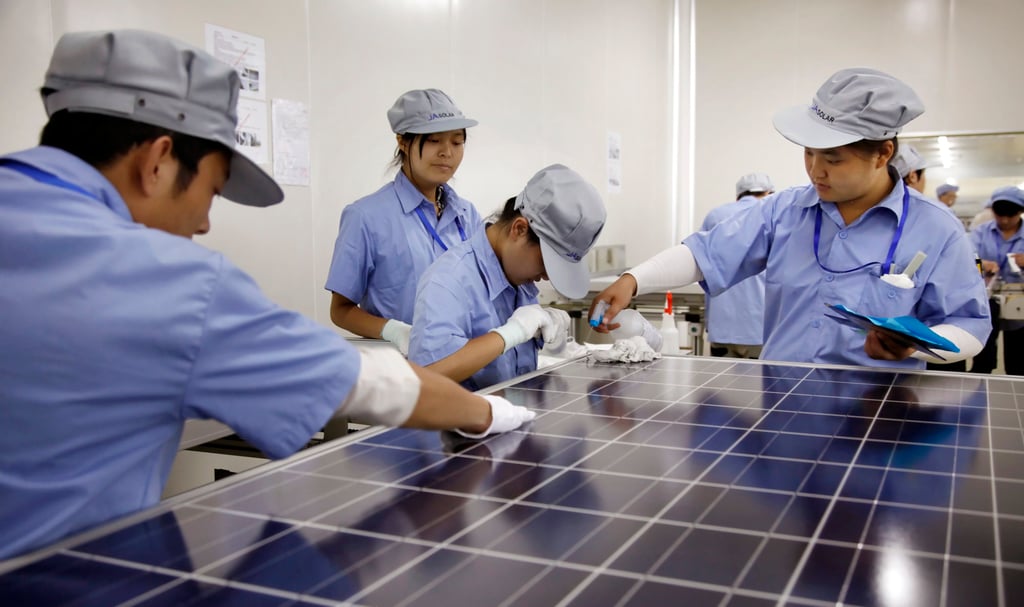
(615,555)
(1000,583)
(179,578)
(791,583)
(449,542)
(871,520)
(383,581)
(943,592)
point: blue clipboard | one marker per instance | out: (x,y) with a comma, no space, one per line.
(907,329)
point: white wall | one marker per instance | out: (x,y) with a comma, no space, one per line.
(964,59)
(547,79)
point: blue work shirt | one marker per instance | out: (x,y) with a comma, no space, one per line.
(989,243)
(464,295)
(736,316)
(113,335)
(383,248)
(779,239)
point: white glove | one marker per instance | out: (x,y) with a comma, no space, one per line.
(642,351)
(504,416)
(632,350)
(397,332)
(556,334)
(523,325)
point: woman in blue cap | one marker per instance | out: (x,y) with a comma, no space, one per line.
(476,308)
(1000,245)
(842,239)
(388,239)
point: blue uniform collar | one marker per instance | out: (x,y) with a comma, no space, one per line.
(410,198)
(490,268)
(73,169)
(992,227)
(893,200)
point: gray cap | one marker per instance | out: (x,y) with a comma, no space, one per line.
(754,182)
(946,188)
(567,214)
(426,111)
(149,78)
(853,104)
(907,160)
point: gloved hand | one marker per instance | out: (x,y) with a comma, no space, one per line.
(643,352)
(523,325)
(504,416)
(556,334)
(632,350)
(397,332)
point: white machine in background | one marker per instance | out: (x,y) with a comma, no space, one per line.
(1011,300)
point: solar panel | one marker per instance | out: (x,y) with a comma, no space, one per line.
(680,481)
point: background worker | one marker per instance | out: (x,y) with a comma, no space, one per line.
(117,327)
(1000,244)
(388,239)
(947,193)
(735,317)
(832,241)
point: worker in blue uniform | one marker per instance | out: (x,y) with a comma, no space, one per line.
(735,317)
(833,240)
(946,193)
(388,239)
(477,316)
(117,327)
(1000,245)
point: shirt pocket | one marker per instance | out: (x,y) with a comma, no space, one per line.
(879,298)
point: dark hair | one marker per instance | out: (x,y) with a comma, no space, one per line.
(509,214)
(761,194)
(399,158)
(100,140)
(867,147)
(1006,208)
(918,173)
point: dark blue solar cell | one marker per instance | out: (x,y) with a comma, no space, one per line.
(824,573)
(862,483)
(973,535)
(773,564)
(745,509)
(63,580)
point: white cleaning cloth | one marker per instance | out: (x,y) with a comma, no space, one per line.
(630,350)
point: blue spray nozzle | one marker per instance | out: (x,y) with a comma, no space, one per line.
(598,315)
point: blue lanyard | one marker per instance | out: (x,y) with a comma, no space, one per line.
(44,177)
(433,233)
(892,247)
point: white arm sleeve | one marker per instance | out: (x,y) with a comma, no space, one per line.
(968,344)
(385,392)
(673,267)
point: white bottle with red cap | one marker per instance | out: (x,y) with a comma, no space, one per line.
(669,331)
